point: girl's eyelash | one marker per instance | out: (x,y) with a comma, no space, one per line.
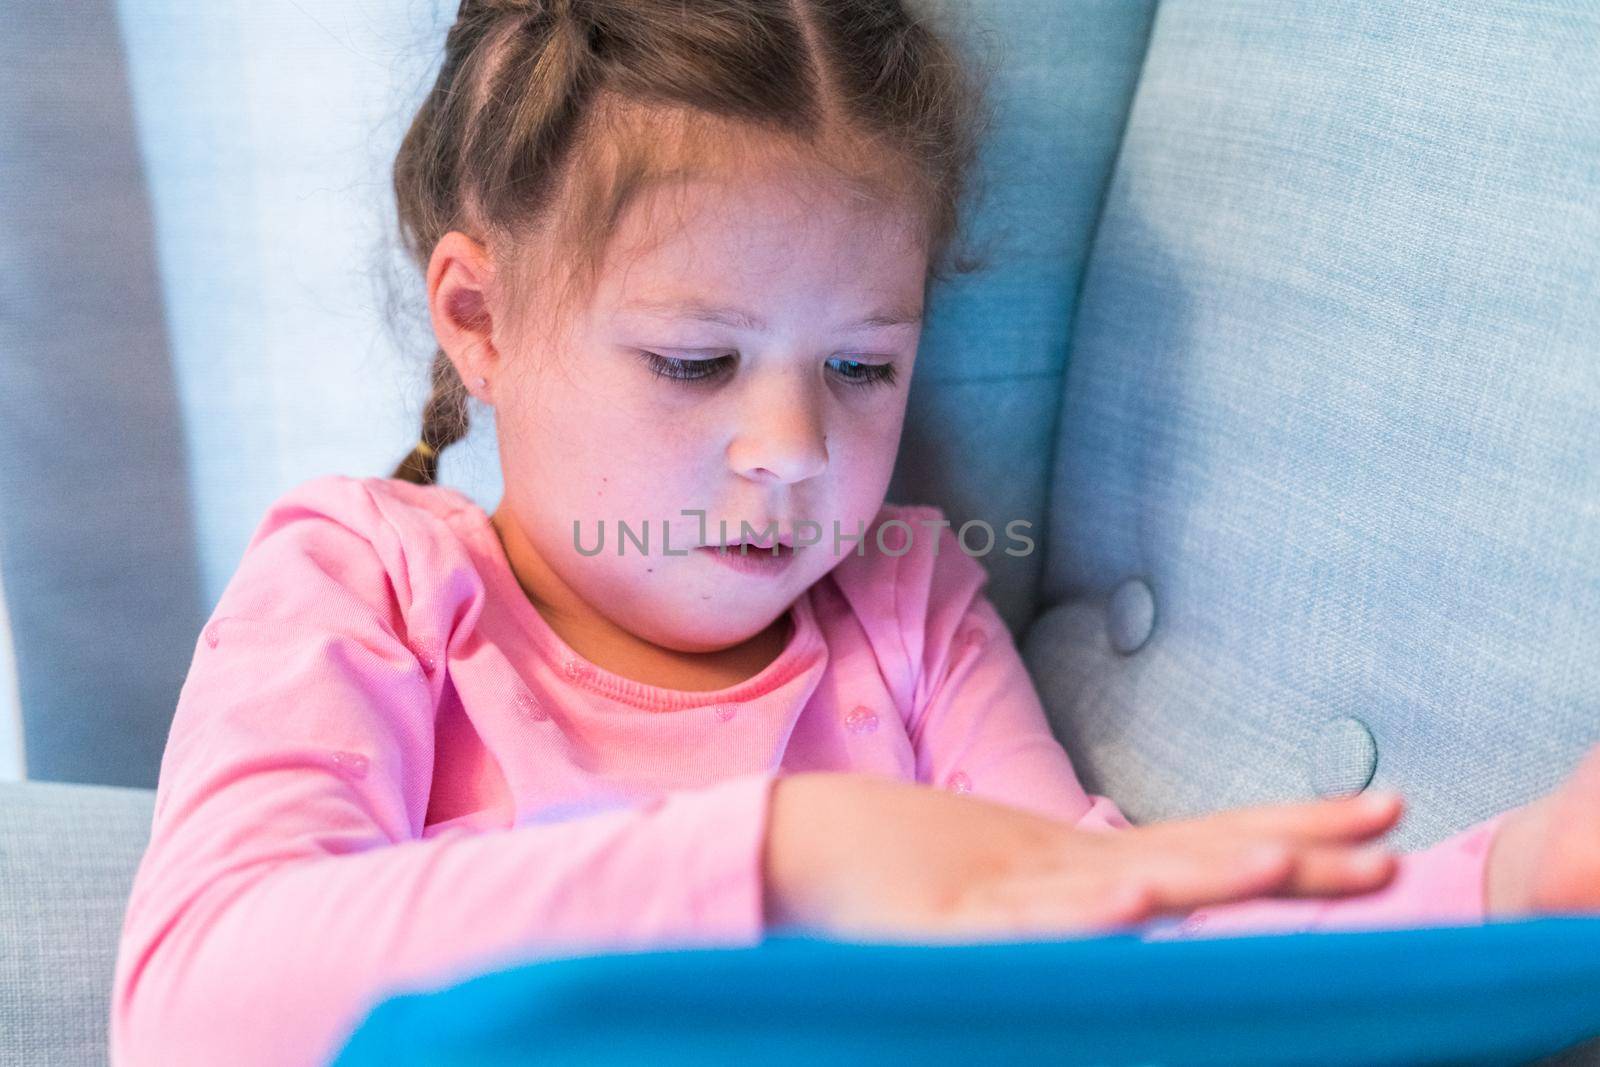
(701,370)
(870,373)
(684,370)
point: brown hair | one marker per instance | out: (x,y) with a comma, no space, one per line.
(582,103)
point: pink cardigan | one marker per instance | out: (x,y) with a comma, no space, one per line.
(385,771)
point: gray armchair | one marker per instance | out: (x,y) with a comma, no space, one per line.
(1289,347)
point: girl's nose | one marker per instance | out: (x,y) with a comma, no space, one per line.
(782,440)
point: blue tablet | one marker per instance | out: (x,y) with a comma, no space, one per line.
(1503,992)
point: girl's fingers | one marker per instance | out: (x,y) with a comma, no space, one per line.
(1178,883)
(1343,818)
(1134,881)
(1297,872)
(1182,880)
(1070,902)
(1329,872)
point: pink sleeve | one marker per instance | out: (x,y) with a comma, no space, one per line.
(286,886)
(979,725)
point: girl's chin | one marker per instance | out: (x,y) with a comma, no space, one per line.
(705,617)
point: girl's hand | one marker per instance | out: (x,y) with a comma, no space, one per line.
(861,855)
(1546,855)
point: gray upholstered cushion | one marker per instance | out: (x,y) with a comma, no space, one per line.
(67,859)
(987,387)
(1334,400)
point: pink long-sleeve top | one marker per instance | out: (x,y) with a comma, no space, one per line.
(386,771)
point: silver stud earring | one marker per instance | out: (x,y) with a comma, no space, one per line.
(482,382)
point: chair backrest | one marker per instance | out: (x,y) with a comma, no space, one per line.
(195,203)
(986,395)
(1325,495)
(201,203)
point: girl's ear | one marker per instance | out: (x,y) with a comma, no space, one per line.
(460,280)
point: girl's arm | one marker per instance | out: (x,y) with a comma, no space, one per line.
(978,724)
(286,886)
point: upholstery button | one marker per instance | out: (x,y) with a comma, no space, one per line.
(353,764)
(211,632)
(532,707)
(1342,756)
(960,783)
(1131,616)
(726,712)
(974,638)
(861,720)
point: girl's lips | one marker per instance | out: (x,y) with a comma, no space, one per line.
(750,560)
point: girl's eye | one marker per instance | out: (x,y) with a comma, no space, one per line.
(684,370)
(859,373)
(699,370)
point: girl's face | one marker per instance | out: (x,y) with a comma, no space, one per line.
(746,354)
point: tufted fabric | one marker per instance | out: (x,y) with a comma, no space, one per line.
(67,857)
(1333,396)
(987,387)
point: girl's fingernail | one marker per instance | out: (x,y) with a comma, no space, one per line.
(1379,800)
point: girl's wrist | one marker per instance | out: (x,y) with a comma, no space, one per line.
(1512,866)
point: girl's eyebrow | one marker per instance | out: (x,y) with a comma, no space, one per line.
(743,320)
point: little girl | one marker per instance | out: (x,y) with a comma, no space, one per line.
(684,250)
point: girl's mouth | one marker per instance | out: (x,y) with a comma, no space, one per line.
(748,559)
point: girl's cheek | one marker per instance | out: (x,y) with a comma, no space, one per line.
(687,435)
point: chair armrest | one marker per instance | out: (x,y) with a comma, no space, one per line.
(68,853)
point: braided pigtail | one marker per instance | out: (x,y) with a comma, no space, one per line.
(444,422)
